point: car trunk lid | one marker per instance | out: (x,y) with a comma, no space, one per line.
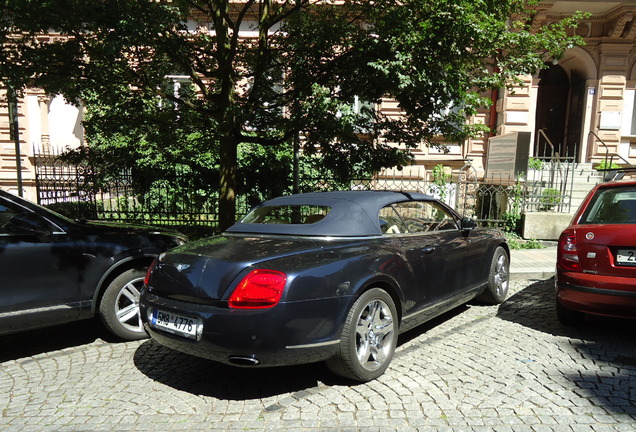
(607,249)
(202,272)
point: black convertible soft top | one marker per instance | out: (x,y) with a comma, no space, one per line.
(353,213)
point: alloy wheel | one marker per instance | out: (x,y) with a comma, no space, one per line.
(374,335)
(127,306)
(501,275)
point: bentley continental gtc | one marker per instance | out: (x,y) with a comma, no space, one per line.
(326,276)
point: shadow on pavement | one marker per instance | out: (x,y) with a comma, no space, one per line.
(534,307)
(603,348)
(208,378)
(34,342)
(418,331)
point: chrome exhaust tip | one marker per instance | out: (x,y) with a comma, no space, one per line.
(244,360)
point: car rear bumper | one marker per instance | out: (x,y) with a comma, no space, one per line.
(596,294)
(287,334)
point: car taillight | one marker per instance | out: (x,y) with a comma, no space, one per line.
(259,289)
(568,256)
(152,266)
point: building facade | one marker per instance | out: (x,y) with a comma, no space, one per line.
(46,124)
(581,106)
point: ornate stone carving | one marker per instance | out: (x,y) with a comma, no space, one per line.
(583,30)
(632,32)
(539,21)
(619,27)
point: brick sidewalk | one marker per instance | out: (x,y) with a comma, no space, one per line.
(533,263)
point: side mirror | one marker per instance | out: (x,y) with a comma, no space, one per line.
(28,223)
(467,225)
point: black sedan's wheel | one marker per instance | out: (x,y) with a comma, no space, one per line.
(119,307)
(498,278)
(368,338)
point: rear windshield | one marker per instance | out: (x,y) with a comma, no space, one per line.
(288,214)
(612,206)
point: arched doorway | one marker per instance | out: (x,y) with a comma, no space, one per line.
(560,112)
(552,109)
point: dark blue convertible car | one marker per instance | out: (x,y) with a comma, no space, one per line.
(332,276)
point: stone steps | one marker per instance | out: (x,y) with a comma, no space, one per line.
(583,180)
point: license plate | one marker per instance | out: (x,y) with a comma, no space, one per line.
(626,257)
(177,324)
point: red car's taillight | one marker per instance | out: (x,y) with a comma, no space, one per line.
(259,289)
(568,256)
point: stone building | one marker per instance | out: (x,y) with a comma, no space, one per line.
(583,104)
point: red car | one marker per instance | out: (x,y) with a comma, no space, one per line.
(596,258)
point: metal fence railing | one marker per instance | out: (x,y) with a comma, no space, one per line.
(549,185)
(79,192)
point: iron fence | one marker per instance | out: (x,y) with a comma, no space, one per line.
(549,184)
(80,192)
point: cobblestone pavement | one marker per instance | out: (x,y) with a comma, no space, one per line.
(478,368)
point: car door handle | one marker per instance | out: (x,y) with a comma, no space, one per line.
(428,250)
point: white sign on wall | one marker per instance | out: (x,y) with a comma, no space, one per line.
(610,120)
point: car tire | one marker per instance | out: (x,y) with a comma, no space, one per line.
(498,278)
(569,317)
(119,306)
(369,338)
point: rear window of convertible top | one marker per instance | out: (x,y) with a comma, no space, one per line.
(287,214)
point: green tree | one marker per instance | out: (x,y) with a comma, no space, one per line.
(296,78)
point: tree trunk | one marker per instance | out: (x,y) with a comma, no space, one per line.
(227,184)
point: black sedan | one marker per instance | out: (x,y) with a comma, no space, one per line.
(54,270)
(329,276)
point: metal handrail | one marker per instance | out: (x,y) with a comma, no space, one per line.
(612,173)
(548,141)
(602,142)
(607,153)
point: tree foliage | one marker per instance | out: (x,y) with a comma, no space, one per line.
(296,76)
